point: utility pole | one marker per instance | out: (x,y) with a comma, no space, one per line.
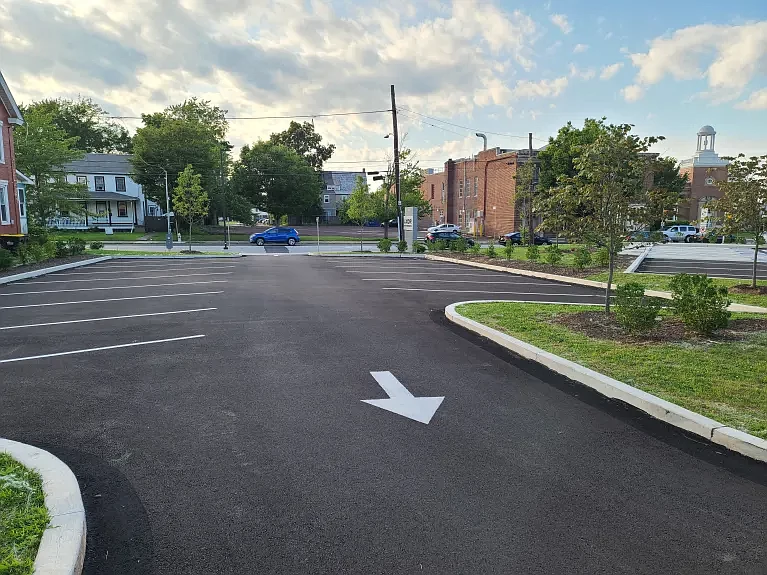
(169,235)
(223,195)
(395,134)
(530,226)
(465,193)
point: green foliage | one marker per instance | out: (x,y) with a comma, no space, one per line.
(557,159)
(38,234)
(432,246)
(402,246)
(76,246)
(441,245)
(6,259)
(61,249)
(635,312)
(602,257)
(411,178)
(533,253)
(665,194)
(36,253)
(307,143)
(475,249)
(700,303)
(458,245)
(491,249)
(190,201)
(508,249)
(581,257)
(360,207)
(656,237)
(97,245)
(553,254)
(419,248)
(384,245)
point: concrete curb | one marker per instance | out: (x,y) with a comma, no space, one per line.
(370,255)
(671,413)
(45,271)
(638,261)
(735,307)
(62,547)
(179,257)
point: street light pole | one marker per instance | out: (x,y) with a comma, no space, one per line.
(395,134)
(169,235)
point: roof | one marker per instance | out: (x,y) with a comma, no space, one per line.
(111,196)
(706,131)
(10,104)
(102,164)
(22,179)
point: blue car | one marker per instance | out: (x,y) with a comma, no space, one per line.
(276,236)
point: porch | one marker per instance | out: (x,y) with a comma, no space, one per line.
(102,210)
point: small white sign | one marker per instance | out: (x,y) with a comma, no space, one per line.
(332,188)
(409,223)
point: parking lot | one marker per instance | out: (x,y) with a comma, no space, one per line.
(719,269)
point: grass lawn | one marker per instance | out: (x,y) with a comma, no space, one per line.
(23,516)
(197,237)
(724,380)
(661,282)
(157,253)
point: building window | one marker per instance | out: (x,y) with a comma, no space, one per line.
(99,183)
(82,180)
(460,189)
(326,198)
(101,209)
(122,209)
(432,191)
(119,183)
(2,146)
(22,203)
(152,210)
(476,185)
(5,213)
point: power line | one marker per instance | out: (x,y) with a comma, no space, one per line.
(407,113)
(280,117)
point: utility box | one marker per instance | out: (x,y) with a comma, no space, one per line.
(410,227)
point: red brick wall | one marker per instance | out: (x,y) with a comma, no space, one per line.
(697,189)
(439,201)
(8,173)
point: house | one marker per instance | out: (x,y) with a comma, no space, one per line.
(12,224)
(338,186)
(114,199)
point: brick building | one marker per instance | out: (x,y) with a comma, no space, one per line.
(12,208)
(477,193)
(703,171)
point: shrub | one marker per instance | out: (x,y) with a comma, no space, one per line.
(700,304)
(76,246)
(49,248)
(432,246)
(508,249)
(581,257)
(553,255)
(100,245)
(533,253)
(6,259)
(458,245)
(62,249)
(37,253)
(419,248)
(402,246)
(491,249)
(38,234)
(475,248)
(23,254)
(656,237)
(384,245)
(634,311)
(602,257)
(441,245)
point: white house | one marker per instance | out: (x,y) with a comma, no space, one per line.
(115,200)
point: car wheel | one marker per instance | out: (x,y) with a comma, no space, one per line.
(688,239)
(291,241)
(259,241)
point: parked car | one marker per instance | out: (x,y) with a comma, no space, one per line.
(516,238)
(277,235)
(685,234)
(447,236)
(392,223)
(715,236)
(444,228)
(644,236)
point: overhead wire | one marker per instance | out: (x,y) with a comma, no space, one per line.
(323,115)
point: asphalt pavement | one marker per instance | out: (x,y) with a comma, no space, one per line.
(212,413)
(720,269)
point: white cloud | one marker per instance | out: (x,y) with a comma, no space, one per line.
(580,48)
(728,57)
(610,71)
(541,89)
(586,74)
(632,93)
(756,101)
(560,21)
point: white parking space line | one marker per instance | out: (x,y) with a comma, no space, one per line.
(121,279)
(441,274)
(112,287)
(152,264)
(107,318)
(142,270)
(441,281)
(110,299)
(496,292)
(92,349)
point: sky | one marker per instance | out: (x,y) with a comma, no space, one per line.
(503,67)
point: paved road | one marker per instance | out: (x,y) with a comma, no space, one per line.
(721,269)
(301,249)
(705,252)
(248,450)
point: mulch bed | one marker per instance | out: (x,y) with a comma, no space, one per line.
(45,264)
(621,262)
(598,325)
(747,289)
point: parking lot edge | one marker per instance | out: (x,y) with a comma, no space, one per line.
(50,270)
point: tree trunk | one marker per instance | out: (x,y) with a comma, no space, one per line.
(756,256)
(611,268)
(361,228)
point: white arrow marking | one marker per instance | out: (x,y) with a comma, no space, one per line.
(401,401)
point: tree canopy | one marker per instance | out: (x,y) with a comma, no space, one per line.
(87,121)
(190,202)
(664,196)
(411,178)
(302,139)
(557,160)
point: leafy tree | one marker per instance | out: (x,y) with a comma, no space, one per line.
(667,191)
(306,142)
(411,177)
(277,180)
(42,151)
(557,160)
(745,200)
(190,201)
(85,119)
(524,196)
(361,206)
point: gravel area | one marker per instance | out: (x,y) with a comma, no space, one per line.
(45,264)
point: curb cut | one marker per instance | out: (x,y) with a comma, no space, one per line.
(678,416)
(62,547)
(45,271)
(736,307)
(638,261)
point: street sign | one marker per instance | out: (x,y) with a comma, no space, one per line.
(409,223)
(401,401)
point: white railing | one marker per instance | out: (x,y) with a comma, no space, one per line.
(67,223)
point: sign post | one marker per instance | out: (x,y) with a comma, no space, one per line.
(317,220)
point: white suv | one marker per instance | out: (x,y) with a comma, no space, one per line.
(444,228)
(681,233)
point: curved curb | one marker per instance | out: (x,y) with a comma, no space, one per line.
(62,547)
(50,270)
(658,408)
(638,261)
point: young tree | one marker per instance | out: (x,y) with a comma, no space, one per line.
(42,151)
(410,177)
(523,198)
(361,207)
(86,120)
(745,200)
(305,142)
(665,194)
(190,201)
(277,180)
